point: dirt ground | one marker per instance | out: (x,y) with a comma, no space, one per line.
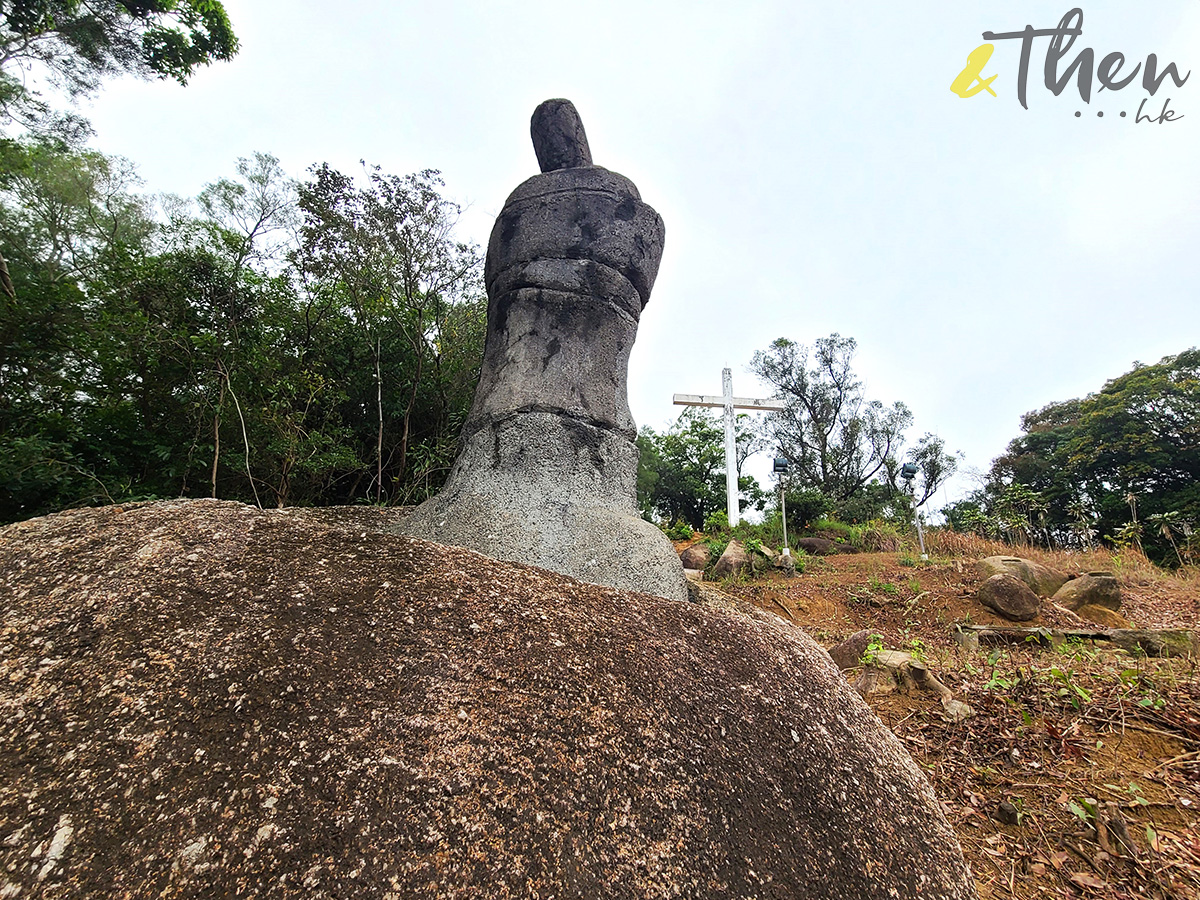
(1079,773)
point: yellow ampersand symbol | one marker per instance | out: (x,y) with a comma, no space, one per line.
(964,85)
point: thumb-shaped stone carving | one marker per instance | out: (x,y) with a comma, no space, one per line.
(547,472)
(559,140)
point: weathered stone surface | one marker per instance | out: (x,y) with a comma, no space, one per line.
(559,140)
(289,703)
(786,562)
(1093,589)
(547,469)
(1042,580)
(848,653)
(695,556)
(734,561)
(1102,615)
(762,559)
(1009,596)
(816,546)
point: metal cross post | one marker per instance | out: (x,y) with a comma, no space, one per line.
(729,403)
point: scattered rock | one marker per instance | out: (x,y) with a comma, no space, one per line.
(1146,641)
(786,562)
(1042,580)
(695,556)
(1006,813)
(1009,597)
(1093,589)
(734,561)
(615,744)
(816,546)
(848,654)
(892,669)
(1102,615)
(762,558)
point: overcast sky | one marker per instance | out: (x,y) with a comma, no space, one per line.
(814,169)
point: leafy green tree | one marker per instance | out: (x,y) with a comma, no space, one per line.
(385,254)
(79,43)
(68,223)
(681,473)
(836,439)
(206,355)
(839,442)
(1089,466)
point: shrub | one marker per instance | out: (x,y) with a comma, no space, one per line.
(806,506)
(717,522)
(879,536)
(680,531)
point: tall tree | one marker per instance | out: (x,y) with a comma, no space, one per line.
(1096,464)
(387,253)
(681,473)
(76,44)
(836,439)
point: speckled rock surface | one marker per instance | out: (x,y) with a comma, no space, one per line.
(199,699)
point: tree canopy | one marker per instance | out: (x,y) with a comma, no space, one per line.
(1121,464)
(78,43)
(840,443)
(681,472)
(220,347)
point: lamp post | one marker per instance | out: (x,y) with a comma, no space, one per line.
(780,468)
(908,472)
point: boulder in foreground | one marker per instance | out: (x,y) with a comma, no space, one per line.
(200,699)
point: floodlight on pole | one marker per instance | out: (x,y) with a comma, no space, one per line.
(780,468)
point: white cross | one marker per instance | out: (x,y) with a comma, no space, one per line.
(729,403)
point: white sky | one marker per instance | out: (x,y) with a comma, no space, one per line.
(814,170)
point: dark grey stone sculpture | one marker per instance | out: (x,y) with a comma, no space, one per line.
(548,467)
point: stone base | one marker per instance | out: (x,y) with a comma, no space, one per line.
(554,492)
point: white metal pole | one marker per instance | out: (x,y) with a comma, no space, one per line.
(731,481)
(783,511)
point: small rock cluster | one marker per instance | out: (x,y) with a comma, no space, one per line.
(1016,587)
(736,560)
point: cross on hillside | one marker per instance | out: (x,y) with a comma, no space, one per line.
(729,403)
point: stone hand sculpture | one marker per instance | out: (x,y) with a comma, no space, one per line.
(547,469)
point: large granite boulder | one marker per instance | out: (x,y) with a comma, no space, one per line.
(1009,597)
(201,699)
(547,471)
(1042,580)
(1093,589)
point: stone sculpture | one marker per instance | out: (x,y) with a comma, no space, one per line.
(547,469)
